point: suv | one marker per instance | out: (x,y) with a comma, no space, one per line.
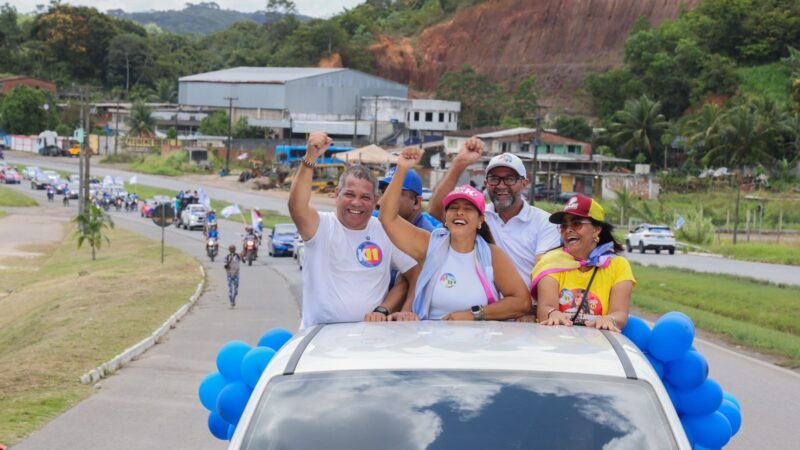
(466,385)
(651,237)
(193,216)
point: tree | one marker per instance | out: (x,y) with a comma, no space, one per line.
(575,127)
(91,228)
(215,124)
(481,100)
(639,126)
(165,91)
(141,121)
(285,7)
(524,102)
(22,111)
(127,56)
(610,90)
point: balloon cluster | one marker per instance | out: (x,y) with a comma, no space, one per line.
(225,393)
(709,415)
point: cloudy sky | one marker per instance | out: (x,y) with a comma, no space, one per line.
(314,8)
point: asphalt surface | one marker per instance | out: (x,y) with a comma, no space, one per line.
(153,401)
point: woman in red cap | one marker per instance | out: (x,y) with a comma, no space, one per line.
(584,282)
(464,275)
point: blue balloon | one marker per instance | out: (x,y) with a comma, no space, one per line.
(732,413)
(638,331)
(275,338)
(254,363)
(229,359)
(217,426)
(231,402)
(688,432)
(710,430)
(671,337)
(231,430)
(697,447)
(658,366)
(673,394)
(702,400)
(728,396)
(688,371)
(209,389)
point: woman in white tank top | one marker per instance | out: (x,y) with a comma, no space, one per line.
(464,275)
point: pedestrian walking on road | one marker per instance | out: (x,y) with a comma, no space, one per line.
(232,269)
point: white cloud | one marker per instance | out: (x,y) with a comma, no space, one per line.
(314,8)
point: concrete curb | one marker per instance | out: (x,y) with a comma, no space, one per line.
(115,363)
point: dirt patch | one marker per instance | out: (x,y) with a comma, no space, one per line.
(25,228)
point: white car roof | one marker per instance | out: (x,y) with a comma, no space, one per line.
(438,345)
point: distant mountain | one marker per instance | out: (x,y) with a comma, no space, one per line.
(201,18)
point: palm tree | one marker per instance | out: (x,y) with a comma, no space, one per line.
(141,121)
(165,91)
(640,125)
(91,226)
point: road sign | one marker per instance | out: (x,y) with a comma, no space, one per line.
(163,215)
(79,135)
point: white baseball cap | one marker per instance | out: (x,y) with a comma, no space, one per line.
(507,160)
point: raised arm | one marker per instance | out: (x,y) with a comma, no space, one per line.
(303,214)
(469,154)
(411,240)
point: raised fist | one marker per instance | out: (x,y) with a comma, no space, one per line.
(410,157)
(470,152)
(318,144)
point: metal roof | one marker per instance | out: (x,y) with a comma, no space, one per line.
(263,75)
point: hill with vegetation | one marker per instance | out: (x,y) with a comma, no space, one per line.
(200,18)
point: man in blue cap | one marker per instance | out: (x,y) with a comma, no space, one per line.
(410,200)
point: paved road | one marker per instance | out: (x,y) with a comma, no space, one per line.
(153,402)
(774,273)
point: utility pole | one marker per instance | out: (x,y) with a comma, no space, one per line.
(355,122)
(535,161)
(81,155)
(375,121)
(230,128)
(116,127)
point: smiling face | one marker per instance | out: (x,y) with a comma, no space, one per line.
(578,234)
(462,218)
(504,197)
(355,202)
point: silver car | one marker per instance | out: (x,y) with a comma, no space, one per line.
(458,385)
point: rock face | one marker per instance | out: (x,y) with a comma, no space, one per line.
(558,40)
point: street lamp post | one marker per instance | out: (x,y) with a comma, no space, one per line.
(230,127)
(46,107)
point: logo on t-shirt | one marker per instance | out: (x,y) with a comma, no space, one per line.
(448,280)
(571,299)
(369,254)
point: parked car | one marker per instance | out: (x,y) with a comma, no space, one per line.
(40,181)
(563,197)
(193,216)
(11,176)
(280,241)
(651,237)
(30,172)
(426,194)
(458,385)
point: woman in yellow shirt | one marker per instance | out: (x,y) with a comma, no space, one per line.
(584,282)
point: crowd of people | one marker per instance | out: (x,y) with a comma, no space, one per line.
(464,259)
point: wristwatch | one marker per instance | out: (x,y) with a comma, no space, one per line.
(382,310)
(477,312)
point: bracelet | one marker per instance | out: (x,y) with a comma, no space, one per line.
(308,163)
(552,310)
(381,310)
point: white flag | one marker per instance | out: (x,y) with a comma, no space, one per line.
(107,181)
(133,180)
(230,210)
(242,157)
(203,198)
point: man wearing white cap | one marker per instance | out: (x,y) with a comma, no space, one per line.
(524,232)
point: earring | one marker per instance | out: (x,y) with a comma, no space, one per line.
(596,239)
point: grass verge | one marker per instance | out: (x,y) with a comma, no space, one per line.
(10,197)
(63,314)
(786,253)
(749,313)
(268,217)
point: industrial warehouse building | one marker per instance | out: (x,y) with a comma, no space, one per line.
(345,103)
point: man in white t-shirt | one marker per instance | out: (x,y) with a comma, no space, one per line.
(348,257)
(524,232)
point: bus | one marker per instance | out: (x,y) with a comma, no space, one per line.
(292,154)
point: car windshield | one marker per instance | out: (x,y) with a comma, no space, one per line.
(285,230)
(457,410)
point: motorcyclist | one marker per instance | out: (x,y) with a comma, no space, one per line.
(212,231)
(211,216)
(66,196)
(249,235)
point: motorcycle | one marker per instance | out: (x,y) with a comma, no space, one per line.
(250,251)
(212,248)
(106,204)
(118,204)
